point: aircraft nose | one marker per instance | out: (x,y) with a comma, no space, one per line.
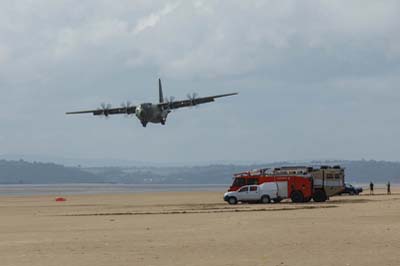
(139,112)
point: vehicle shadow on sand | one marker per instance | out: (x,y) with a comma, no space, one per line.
(196,208)
(291,207)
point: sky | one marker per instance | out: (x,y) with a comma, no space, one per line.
(317,79)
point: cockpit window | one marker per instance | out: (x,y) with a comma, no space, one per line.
(239,182)
(252,181)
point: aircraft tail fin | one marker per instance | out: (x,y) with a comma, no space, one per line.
(160,92)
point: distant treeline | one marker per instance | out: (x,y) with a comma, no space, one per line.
(22,172)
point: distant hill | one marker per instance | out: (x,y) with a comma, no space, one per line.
(376,171)
(356,171)
(23,172)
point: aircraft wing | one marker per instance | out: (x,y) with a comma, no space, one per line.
(193,102)
(107,111)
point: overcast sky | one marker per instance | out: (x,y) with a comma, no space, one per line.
(317,79)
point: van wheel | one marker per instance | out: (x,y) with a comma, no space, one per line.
(277,200)
(297,196)
(319,196)
(232,201)
(265,199)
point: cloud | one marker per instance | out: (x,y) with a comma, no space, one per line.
(154,18)
(4,55)
(196,40)
(97,33)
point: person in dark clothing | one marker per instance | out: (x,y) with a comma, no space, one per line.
(371,188)
(388,189)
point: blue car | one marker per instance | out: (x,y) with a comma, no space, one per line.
(351,190)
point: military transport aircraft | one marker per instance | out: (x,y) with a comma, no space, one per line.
(152,112)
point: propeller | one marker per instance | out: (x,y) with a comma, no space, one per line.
(169,101)
(105,109)
(192,97)
(127,105)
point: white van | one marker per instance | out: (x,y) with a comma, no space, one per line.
(263,193)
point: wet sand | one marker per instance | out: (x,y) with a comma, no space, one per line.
(198,228)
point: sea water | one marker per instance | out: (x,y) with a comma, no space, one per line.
(68,189)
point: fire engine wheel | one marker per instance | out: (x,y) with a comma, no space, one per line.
(297,196)
(319,196)
(307,199)
(232,200)
(265,199)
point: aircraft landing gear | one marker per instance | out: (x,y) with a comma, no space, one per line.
(163,122)
(144,123)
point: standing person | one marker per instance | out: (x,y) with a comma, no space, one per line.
(371,188)
(388,189)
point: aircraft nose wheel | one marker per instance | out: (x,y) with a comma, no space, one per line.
(162,122)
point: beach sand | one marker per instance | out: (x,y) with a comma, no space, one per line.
(198,228)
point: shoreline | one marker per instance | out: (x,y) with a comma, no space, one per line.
(105,188)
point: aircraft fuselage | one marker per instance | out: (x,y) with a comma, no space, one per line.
(148,112)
